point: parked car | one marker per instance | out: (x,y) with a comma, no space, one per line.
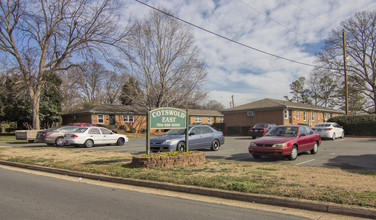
(200,136)
(286,140)
(259,130)
(55,136)
(330,130)
(90,136)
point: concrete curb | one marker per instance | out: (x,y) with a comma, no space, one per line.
(248,197)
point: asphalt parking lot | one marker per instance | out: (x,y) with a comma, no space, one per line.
(348,153)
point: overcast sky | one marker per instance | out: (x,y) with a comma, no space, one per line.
(293,29)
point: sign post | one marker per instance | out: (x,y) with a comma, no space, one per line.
(167,118)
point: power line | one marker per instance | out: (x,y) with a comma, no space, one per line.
(223,37)
(270,18)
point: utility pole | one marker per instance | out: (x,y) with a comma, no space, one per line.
(233,103)
(345,68)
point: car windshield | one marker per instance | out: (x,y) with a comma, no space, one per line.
(283,131)
(322,125)
(260,126)
(175,132)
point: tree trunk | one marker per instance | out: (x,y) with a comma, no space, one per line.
(35,100)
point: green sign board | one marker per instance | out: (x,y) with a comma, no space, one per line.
(167,118)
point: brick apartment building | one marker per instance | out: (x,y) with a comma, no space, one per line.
(241,118)
(130,118)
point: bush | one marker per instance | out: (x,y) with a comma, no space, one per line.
(359,125)
(238,130)
(7,127)
(219,126)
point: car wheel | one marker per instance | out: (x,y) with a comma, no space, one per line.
(215,145)
(294,153)
(181,146)
(334,136)
(256,156)
(89,143)
(59,141)
(120,142)
(315,148)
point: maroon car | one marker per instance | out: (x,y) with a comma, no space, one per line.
(286,140)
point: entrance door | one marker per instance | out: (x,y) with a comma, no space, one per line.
(112,119)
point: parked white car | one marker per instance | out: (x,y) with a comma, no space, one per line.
(91,136)
(330,130)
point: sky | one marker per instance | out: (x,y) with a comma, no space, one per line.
(292,29)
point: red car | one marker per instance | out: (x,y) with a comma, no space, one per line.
(286,140)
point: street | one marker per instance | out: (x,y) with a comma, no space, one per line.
(30,196)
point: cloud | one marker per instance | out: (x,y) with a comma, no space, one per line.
(293,29)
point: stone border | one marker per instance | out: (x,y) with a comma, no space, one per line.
(196,158)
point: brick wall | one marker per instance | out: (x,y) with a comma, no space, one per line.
(195,158)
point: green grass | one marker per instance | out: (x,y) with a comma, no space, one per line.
(10,139)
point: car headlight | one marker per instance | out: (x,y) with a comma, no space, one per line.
(252,144)
(169,142)
(280,145)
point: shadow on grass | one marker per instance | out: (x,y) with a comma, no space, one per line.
(102,162)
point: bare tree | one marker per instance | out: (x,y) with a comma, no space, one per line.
(112,86)
(360,31)
(39,36)
(323,88)
(90,83)
(165,62)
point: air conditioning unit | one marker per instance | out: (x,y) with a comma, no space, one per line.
(250,114)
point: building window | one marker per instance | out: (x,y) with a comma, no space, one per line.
(221,119)
(286,114)
(198,119)
(100,119)
(318,116)
(305,116)
(209,120)
(297,114)
(74,117)
(313,116)
(128,118)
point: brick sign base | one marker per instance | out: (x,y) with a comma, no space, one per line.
(196,158)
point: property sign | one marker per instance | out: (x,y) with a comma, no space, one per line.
(167,118)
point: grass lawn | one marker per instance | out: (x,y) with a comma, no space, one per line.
(314,183)
(9,139)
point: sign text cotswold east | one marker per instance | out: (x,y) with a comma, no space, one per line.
(167,118)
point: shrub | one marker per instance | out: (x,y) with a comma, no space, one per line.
(359,125)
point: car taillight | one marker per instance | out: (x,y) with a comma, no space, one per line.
(250,130)
(47,134)
(262,130)
(74,136)
(328,129)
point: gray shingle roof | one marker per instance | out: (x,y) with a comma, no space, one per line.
(106,109)
(270,104)
(126,109)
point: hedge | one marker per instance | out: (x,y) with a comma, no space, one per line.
(359,125)
(238,130)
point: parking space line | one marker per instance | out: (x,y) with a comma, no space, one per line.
(304,162)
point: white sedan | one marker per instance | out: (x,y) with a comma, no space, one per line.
(330,130)
(88,136)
